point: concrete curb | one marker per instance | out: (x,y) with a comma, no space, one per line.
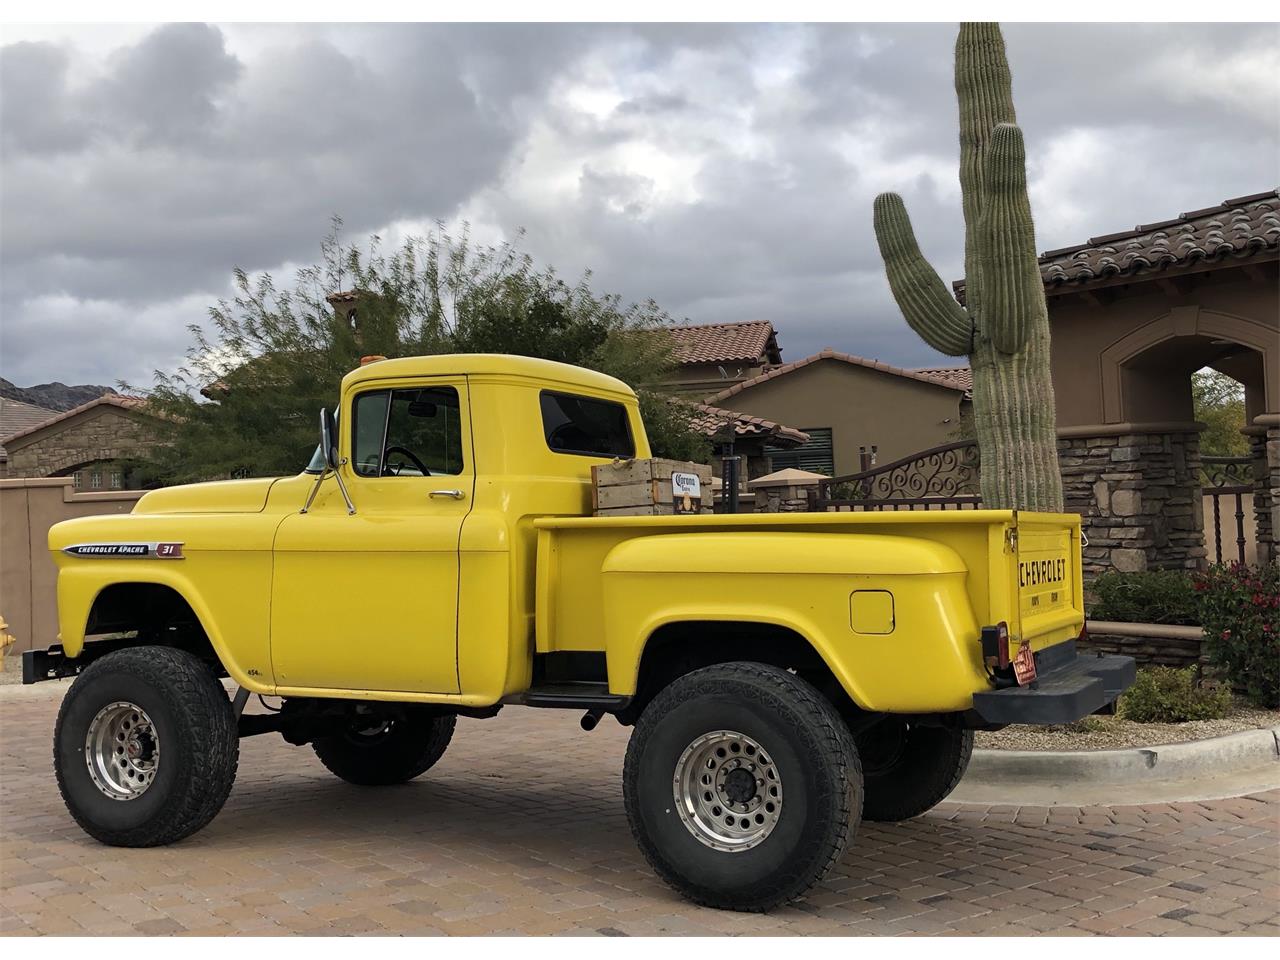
(1196,759)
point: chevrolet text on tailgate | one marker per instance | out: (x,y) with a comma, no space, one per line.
(786,675)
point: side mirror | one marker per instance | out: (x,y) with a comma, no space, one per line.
(329,439)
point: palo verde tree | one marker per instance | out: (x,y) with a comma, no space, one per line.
(244,401)
(1004,326)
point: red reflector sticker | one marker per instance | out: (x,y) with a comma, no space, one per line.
(1024,664)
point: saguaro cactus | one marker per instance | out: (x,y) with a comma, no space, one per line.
(1004,327)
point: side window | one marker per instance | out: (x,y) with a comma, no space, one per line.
(407,433)
(586,426)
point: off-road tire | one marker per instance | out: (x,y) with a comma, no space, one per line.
(408,749)
(195,727)
(925,767)
(814,756)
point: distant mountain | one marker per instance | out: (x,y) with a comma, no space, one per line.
(53,396)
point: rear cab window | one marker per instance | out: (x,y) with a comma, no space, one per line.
(586,426)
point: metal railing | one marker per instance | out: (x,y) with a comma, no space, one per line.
(940,478)
(1230,479)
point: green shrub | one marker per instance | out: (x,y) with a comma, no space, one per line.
(1172,695)
(1152,596)
(1240,612)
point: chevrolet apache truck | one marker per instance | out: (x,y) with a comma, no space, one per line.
(785,675)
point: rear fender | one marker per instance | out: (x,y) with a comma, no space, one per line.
(924,657)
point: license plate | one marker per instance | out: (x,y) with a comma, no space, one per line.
(1024,665)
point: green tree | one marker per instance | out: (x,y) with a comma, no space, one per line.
(1218,401)
(244,401)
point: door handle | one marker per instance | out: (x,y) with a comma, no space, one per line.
(451,494)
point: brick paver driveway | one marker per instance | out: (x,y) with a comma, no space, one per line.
(520,829)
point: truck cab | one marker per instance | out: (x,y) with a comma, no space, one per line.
(438,559)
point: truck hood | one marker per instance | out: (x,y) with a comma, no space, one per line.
(222,496)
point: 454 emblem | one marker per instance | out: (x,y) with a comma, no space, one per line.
(164,551)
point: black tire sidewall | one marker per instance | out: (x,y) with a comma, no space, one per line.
(414,744)
(932,762)
(785,862)
(194,726)
(81,793)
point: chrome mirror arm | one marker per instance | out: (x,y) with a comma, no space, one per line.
(315,488)
(337,475)
(351,507)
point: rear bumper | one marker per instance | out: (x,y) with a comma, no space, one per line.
(1070,686)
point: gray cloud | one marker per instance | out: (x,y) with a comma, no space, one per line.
(725,171)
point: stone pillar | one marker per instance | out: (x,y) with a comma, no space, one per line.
(1137,488)
(1264,445)
(786,491)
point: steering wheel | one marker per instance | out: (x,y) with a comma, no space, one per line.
(386,455)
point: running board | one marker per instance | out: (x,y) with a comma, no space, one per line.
(572,696)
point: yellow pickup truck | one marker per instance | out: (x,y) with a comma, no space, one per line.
(786,675)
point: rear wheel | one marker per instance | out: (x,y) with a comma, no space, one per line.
(377,750)
(742,786)
(145,747)
(908,768)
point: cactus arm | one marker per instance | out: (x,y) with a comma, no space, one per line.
(984,91)
(1012,291)
(921,295)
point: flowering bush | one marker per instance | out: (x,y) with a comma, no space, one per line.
(1240,613)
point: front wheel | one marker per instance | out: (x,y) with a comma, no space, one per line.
(742,786)
(909,768)
(145,747)
(379,750)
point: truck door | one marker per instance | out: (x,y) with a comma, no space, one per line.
(369,601)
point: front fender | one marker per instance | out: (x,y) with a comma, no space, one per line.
(246,659)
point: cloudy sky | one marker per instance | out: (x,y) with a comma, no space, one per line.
(725,171)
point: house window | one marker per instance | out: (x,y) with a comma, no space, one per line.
(117,480)
(95,480)
(816,456)
(77,480)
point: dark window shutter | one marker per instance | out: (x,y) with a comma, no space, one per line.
(816,456)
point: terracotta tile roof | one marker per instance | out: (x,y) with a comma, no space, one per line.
(16,416)
(961,376)
(1235,229)
(753,341)
(829,354)
(709,420)
(107,399)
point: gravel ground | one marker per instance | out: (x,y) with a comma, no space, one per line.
(1109,733)
(12,672)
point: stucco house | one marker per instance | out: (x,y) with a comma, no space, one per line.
(852,408)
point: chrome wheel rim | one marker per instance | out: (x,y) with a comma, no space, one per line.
(122,750)
(728,791)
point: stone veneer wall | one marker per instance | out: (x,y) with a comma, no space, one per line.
(784,499)
(1137,487)
(106,433)
(1161,651)
(1265,449)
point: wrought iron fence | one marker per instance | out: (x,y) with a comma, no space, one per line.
(940,478)
(1230,479)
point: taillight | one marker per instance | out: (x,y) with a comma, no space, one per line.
(995,646)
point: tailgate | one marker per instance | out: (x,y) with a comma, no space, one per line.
(1048,578)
